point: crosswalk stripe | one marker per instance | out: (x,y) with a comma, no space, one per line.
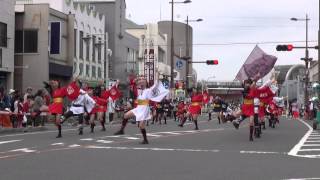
(304,150)
(314,138)
(312,141)
(311,145)
(86,139)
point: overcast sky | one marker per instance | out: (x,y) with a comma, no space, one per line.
(235,21)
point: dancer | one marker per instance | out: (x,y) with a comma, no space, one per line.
(142,112)
(194,109)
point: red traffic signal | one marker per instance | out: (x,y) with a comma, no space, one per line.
(212,62)
(287,47)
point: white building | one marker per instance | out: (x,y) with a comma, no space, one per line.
(153,48)
(90,38)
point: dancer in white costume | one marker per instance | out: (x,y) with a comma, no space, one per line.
(142,112)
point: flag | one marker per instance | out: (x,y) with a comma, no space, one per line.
(73,91)
(114,93)
(257,65)
(205,97)
(157,92)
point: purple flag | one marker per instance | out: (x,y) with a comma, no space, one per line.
(257,65)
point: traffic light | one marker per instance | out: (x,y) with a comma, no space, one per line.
(287,47)
(212,62)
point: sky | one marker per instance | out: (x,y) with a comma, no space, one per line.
(232,28)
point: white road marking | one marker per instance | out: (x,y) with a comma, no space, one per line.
(173,133)
(57,144)
(312,141)
(104,141)
(132,138)
(153,149)
(294,151)
(258,152)
(304,150)
(315,135)
(11,141)
(26,150)
(304,179)
(86,139)
(311,145)
(153,135)
(314,138)
(74,145)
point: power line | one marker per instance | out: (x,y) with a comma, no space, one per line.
(237,43)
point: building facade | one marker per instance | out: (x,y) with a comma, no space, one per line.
(124,46)
(183,40)
(43,45)
(89,40)
(7,24)
(153,51)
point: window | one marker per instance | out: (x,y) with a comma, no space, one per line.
(3,34)
(30,41)
(99,51)
(161,55)
(94,72)
(75,43)
(93,48)
(87,49)
(81,45)
(87,70)
(18,41)
(99,72)
(26,41)
(55,37)
(81,69)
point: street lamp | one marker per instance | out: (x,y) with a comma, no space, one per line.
(306,59)
(172,40)
(187,47)
(211,77)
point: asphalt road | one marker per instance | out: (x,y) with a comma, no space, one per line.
(290,151)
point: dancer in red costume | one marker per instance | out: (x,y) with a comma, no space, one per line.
(194,109)
(99,109)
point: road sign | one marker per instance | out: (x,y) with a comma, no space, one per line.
(179,64)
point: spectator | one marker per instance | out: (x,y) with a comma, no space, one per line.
(27,109)
(4,100)
(38,104)
(28,93)
(16,118)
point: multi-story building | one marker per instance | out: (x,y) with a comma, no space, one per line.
(124,46)
(6,43)
(82,45)
(183,40)
(152,52)
(43,45)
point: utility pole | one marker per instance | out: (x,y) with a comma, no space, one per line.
(187,54)
(172,49)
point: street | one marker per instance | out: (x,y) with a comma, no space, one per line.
(214,152)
